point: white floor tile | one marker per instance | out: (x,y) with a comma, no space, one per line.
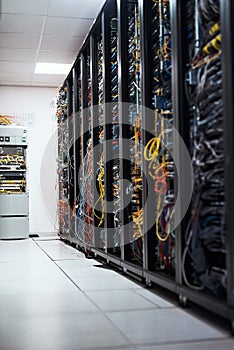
(107,283)
(214,345)
(71,332)
(61,252)
(39,286)
(20,251)
(157,300)
(90,271)
(119,300)
(25,271)
(50,304)
(77,263)
(162,325)
(41,309)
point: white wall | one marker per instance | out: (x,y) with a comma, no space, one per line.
(41,149)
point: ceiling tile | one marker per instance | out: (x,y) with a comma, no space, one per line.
(78,8)
(58,42)
(19,41)
(57,56)
(26,55)
(17,67)
(34,7)
(21,24)
(69,26)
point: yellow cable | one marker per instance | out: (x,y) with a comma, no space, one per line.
(101,191)
(152,148)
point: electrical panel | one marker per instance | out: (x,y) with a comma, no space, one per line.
(148,86)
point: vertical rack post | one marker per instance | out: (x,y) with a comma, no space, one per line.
(94,116)
(112,171)
(227,30)
(87,225)
(68,127)
(84,101)
(71,155)
(182,183)
(83,121)
(147,124)
(122,11)
(76,134)
(78,140)
(107,128)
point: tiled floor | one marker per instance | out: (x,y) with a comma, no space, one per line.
(52,298)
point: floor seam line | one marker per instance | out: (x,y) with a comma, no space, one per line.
(58,267)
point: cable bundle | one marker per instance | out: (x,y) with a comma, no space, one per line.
(161,53)
(87,197)
(63,160)
(99,214)
(134,210)
(6,119)
(134,54)
(156,151)
(205,237)
(61,104)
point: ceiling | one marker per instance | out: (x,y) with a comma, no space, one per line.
(34,31)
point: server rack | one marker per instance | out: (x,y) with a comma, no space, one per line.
(129,86)
(226,12)
(98,125)
(62,161)
(158,119)
(200,60)
(71,172)
(76,74)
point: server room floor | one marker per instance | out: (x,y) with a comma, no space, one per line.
(53,298)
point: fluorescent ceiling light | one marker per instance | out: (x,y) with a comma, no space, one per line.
(52,68)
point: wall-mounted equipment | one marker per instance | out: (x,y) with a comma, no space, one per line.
(14,197)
